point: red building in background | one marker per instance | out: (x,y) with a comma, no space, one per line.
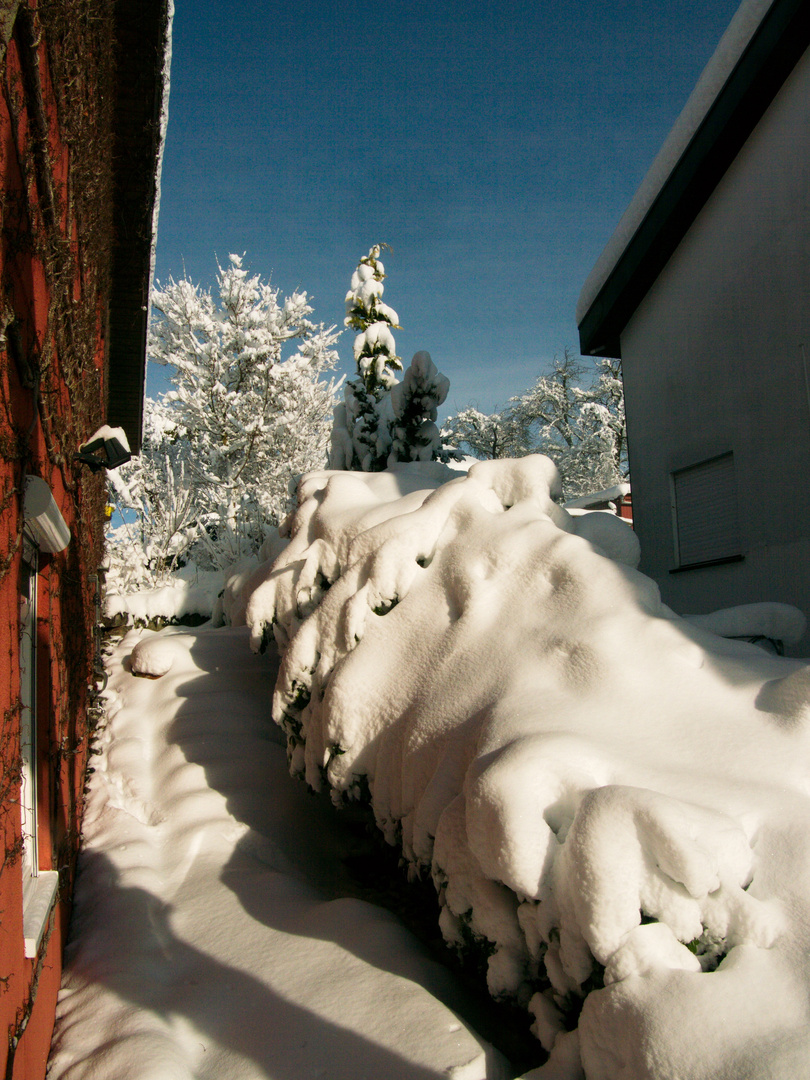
(80,139)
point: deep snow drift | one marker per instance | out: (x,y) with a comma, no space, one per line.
(612,802)
(206,941)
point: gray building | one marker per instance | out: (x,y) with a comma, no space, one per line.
(704,293)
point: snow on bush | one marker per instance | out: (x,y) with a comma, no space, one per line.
(154,657)
(206,594)
(415,403)
(188,592)
(612,802)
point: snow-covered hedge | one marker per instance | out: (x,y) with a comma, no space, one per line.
(191,594)
(612,802)
(187,592)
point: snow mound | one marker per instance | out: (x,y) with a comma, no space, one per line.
(209,936)
(153,656)
(612,803)
(608,533)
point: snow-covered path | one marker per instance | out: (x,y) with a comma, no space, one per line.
(207,941)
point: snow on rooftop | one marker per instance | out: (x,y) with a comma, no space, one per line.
(163,128)
(610,494)
(731,47)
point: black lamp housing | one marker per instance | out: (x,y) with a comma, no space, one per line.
(103,453)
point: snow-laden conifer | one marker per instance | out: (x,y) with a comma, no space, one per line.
(382,421)
(361,437)
(374,346)
(414,403)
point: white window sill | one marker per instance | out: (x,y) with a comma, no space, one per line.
(39,896)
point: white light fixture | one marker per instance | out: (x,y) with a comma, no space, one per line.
(42,516)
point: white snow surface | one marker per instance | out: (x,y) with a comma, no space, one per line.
(189,591)
(612,801)
(209,938)
(780,622)
(731,47)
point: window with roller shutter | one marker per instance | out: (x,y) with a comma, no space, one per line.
(705,514)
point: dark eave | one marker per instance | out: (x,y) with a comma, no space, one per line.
(141,31)
(771,54)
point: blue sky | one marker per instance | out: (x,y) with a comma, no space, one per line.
(494,146)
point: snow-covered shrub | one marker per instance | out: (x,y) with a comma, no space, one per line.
(189,595)
(613,803)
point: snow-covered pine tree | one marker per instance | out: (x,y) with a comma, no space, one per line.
(361,434)
(374,345)
(381,421)
(414,403)
(241,417)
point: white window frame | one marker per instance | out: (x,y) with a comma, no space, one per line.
(39,886)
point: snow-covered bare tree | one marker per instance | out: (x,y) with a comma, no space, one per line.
(485,435)
(157,521)
(247,412)
(580,427)
(574,415)
(380,420)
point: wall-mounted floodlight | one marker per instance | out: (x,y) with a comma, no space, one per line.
(106,449)
(42,517)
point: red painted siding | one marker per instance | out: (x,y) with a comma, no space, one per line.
(51,399)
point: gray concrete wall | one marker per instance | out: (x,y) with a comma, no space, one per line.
(712,363)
